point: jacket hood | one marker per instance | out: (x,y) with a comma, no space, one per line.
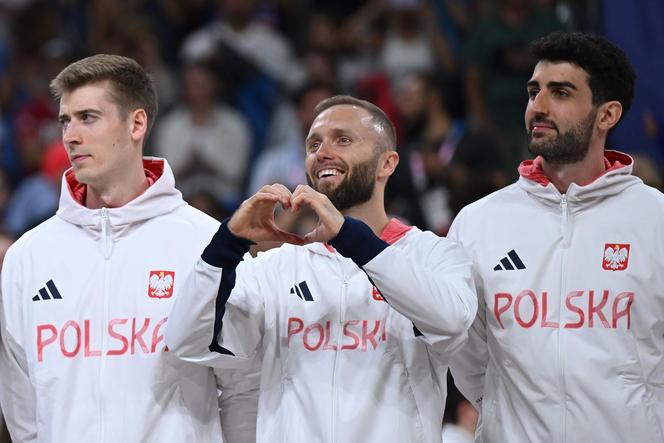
(160,198)
(616,177)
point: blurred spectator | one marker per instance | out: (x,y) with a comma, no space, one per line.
(449,163)
(35,122)
(460,418)
(36,198)
(238,29)
(498,68)
(206,143)
(411,41)
(283,160)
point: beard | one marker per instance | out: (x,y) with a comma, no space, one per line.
(567,147)
(356,188)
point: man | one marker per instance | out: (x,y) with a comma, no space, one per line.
(567,344)
(354,329)
(86,294)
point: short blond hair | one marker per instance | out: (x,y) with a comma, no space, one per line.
(131,87)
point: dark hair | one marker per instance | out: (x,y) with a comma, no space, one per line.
(611,76)
(378,116)
(131,87)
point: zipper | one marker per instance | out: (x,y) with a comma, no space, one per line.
(337,352)
(106,233)
(107,246)
(563,260)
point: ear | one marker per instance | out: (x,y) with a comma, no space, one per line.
(609,114)
(387,164)
(138,121)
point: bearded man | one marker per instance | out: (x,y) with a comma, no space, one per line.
(352,325)
(567,343)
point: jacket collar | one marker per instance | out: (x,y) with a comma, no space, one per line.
(160,198)
(394,231)
(616,177)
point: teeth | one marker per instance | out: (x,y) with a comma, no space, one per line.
(327,172)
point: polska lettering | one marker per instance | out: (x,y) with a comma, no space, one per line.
(128,336)
(359,335)
(591,309)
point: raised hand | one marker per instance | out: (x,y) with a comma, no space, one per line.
(254,219)
(330,219)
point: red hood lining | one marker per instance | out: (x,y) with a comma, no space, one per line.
(153,171)
(532,169)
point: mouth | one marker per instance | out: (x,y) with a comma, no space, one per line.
(329,174)
(541,128)
(78,158)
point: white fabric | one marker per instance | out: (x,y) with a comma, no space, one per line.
(345,366)
(92,366)
(555,353)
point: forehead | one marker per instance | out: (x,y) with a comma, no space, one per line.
(89,96)
(547,71)
(342,117)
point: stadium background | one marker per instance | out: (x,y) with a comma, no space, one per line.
(237,81)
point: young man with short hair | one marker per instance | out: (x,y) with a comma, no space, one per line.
(86,294)
(567,344)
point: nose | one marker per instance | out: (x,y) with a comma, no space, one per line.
(539,103)
(70,134)
(325,150)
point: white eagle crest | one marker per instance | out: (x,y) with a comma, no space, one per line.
(615,258)
(161,284)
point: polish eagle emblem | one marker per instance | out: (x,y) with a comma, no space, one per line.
(161,284)
(616,256)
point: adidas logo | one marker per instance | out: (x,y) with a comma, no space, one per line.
(302,290)
(510,262)
(45,295)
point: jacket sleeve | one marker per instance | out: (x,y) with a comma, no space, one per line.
(429,283)
(17,396)
(217,318)
(469,365)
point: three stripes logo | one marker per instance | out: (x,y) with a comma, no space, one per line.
(50,292)
(302,290)
(510,263)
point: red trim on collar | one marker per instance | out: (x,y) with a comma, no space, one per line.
(532,169)
(153,170)
(394,231)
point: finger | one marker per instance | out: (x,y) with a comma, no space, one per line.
(279,190)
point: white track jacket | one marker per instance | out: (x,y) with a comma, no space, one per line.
(353,343)
(85,299)
(567,345)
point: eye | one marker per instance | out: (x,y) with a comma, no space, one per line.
(560,93)
(532,93)
(313,146)
(344,139)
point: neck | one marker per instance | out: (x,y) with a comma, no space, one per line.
(117,193)
(583,172)
(371,212)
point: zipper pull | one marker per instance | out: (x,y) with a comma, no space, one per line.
(105,232)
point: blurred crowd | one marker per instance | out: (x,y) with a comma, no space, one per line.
(238,80)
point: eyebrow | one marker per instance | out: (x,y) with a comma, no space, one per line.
(553,84)
(80,113)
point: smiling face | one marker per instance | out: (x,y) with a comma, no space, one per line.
(96,136)
(343,155)
(560,116)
